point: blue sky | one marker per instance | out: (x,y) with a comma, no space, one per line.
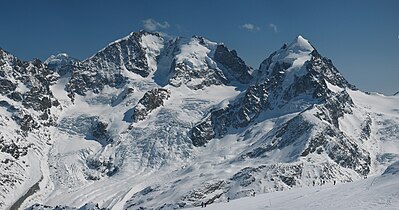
(361,37)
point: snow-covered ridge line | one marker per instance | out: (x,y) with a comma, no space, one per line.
(159,122)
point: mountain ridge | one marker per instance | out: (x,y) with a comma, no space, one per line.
(173,122)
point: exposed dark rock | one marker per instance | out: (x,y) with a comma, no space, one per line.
(238,114)
(202,132)
(206,189)
(283,136)
(27,123)
(28,85)
(182,74)
(323,68)
(36,100)
(104,166)
(126,53)
(6,86)
(16,96)
(99,131)
(335,107)
(86,78)
(229,59)
(106,67)
(366,128)
(218,67)
(87,206)
(341,149)
(150,101)
(12,148)
(245,177)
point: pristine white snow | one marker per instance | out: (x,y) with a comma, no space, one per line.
(152,45)
(381,192)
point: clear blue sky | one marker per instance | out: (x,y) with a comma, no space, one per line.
(361,37)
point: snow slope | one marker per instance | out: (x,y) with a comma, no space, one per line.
(381,192)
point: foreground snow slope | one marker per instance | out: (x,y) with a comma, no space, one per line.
(372,193)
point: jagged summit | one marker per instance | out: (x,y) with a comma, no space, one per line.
(6,57)
(194,62)
(297,60)
(290,58)
(300,44)
(60,57)
(285,78)
(61,63)
(199,62)
(133,35)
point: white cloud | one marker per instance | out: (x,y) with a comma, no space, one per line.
(153,25)
(250,27)
(273,27)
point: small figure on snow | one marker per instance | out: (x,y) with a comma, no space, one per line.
(335,182)
(202,204)
(228,199)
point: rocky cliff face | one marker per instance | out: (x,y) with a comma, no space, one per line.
(199,62)
(150,101)
(109,66)
(26,103)
(290,80)
(27,84)
(230,60)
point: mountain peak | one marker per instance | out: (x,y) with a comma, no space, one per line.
(62,63)
(58,58)
(300,44)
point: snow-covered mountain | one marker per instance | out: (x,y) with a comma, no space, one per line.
(61,63)
(153,121)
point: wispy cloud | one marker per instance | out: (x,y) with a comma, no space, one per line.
(250,27)
(273,27)
(153,25)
